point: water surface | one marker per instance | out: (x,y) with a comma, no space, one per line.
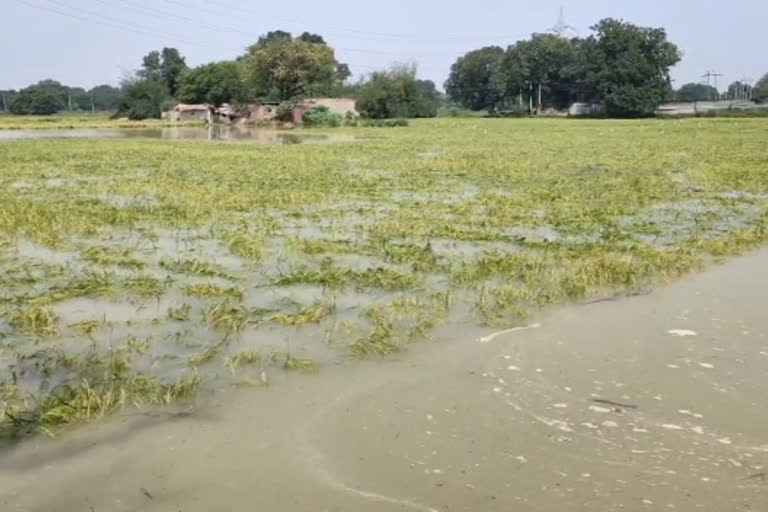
(214,132)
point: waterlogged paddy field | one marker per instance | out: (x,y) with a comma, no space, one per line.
(138,271)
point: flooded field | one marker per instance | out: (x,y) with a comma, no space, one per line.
(139,273)
(647,403)
(212,132)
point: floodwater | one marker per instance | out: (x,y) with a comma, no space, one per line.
(654,402)
(213,132)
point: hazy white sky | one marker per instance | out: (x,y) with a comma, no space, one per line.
(89,42)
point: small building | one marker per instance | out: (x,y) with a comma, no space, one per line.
(263,111)
(184,112)
(345,107)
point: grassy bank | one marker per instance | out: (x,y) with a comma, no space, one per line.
(133,271)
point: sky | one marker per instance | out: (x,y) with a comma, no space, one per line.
(90,42)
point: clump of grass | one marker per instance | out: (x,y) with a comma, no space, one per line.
(194,266)
(87,327)
(232,318)
(112,256)
(181,313)
(313,314)
(293,364)
(248,357)
(331,276)
(422,258)
(100,385)
(211,290)
(246,245)
(144,285)
(38,320)
(382,339)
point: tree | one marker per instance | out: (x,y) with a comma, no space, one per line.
(172,68)
(105,97)
(143,99)
(696,92)
(312,38)
(545,66)
(43,98)
(6,99)
(397,93)
(215,83)
(474,79)
(37,101)
(283,69)
(628,67)
(166,66)
(761,88)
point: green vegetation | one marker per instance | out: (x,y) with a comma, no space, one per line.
(243,259)
(622,66)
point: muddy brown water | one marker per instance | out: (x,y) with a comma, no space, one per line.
(214,132)
(648,403)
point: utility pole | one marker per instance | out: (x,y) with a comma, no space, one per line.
(69,101)
(709,75)
(5,103)
(93,107)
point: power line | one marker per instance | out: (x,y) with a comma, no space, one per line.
(105,22)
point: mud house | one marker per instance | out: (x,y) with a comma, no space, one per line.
(184,112)
(263,111)
(344,107)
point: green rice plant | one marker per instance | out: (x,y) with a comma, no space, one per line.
(112,256)
(194,266)
(333,277)
(382,339)
(422,258)
(248,357)
(313,314)
(211,290)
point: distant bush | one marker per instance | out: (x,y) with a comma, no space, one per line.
(384,123)
(321,116)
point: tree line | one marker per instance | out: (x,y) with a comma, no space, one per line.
(49,97)
(620,66)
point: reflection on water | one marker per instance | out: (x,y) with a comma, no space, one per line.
(213,132)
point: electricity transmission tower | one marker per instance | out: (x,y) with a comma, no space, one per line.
(561,28)
(709,75)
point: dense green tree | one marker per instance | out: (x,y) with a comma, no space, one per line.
(214,83)
(397,93)
(545,63)
(6,98)
(270,37)
(281,68)
(143,99)
(37,101)
(166,66)
(628,67)
(474,79)
(761,88)
(105,97)
(696,92)
(311,38)
(43,98)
